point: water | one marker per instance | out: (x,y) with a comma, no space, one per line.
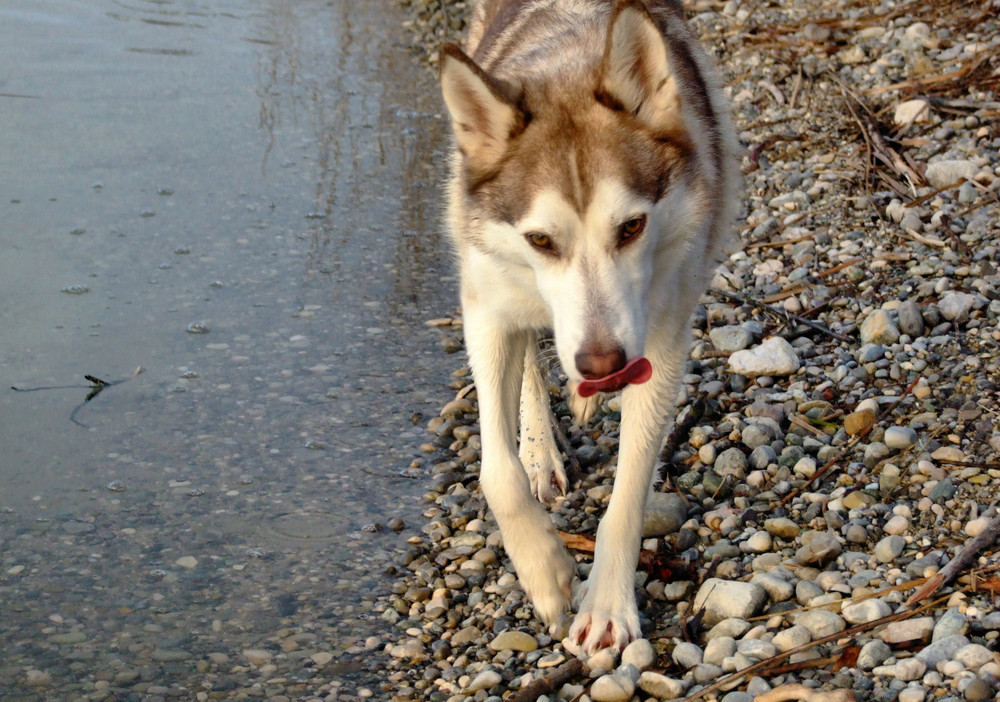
(239,199)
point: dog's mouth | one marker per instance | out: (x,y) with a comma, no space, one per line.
(635,372)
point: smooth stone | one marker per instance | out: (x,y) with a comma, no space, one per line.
(730,338)
(660,686)
(687,655)
(942,649)
(465,636)
(665,513)
(719,649)
(889,548)
(733,462)
(732,627)
(911,111)
(550,661)
(187,562)
(759,542)
(899,437)
(820,622)
(725,599)
(639,653)
(878,328)
(909,319)
(792,637)
(910,669)
(819,547)
(978,690)
(612,688)
(259,657)
(859,421)
(941,174)
(955,306)
(774,356)
(973,656)
(951,623)
(873,654)
(782,527)
(485,680)
(867,611)
(756,649)
(512,640)
(777,590)
(897,525)
(914,629)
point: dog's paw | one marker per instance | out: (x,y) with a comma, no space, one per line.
(583,408)
(545,571)
(546,475)
(613,625)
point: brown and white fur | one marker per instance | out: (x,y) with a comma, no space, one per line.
(594,180)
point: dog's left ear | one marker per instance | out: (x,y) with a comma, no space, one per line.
(635,73)
(484,117)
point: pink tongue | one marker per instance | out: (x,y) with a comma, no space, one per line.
(635,372)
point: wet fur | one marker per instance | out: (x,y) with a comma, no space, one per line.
(570,118)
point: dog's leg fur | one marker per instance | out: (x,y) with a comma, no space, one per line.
(538,450)
(496,354)
(608,616)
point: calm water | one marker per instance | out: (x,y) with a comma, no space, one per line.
(264,173)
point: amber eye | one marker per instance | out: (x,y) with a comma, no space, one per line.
(541,241)
(627,231)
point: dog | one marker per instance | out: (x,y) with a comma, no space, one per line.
(594,180)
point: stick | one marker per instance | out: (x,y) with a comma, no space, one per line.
(551,683)
(957,564)
(746,299)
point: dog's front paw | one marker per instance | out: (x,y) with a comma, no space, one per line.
(546,474)
(545,571)
(612,623)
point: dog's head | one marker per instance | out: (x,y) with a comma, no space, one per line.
(588,173)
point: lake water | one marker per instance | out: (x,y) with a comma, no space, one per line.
(239,198)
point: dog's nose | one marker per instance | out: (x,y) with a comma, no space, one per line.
(600,362)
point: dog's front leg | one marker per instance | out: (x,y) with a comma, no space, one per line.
(608,617)
(538,450)
(497,353)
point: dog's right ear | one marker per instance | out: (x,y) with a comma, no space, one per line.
(483,117)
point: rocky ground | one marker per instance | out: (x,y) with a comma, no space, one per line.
(838,439)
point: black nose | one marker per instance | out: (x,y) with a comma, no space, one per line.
(598,362)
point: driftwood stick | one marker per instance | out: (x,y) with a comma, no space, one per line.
(565,673)
(957,564)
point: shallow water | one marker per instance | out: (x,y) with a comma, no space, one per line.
(239,198)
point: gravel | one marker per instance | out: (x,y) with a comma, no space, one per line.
(848,368)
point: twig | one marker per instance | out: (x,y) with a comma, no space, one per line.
(793,691)
(957,564)
(682,428)
(746,299)
(551,683)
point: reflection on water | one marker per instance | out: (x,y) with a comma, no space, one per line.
(246,170)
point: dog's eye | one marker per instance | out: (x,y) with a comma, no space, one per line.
(541,241)
(630,230)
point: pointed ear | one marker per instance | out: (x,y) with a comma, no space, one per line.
(635,73)
(483,117)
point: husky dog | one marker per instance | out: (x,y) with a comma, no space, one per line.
(594,180)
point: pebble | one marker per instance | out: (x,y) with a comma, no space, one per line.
(889,548)
(867,611)
(819,547)
(512,640)
(878,328)
(730,338)
(873,654)
(918,628)
(639,653)
(725,599)
(687,655)
(900,437)
(955,306)
(942,649)
(819,622)
(665,513)
(485,680)
(946,172)
(660,686)
(612,688)
(773,357)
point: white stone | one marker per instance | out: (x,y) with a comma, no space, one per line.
(639,653)
(660,686)
(820,622)
(730,339)
(955,306)
(941,174)
(867,611)
(900,437)
(724,599)
(790,638)
(912,111)
(188,562)
(897,525)
(774,356)
(485,680)
(687,655)
(612,688)
(973,656)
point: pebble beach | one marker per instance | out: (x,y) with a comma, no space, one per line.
(837,443)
